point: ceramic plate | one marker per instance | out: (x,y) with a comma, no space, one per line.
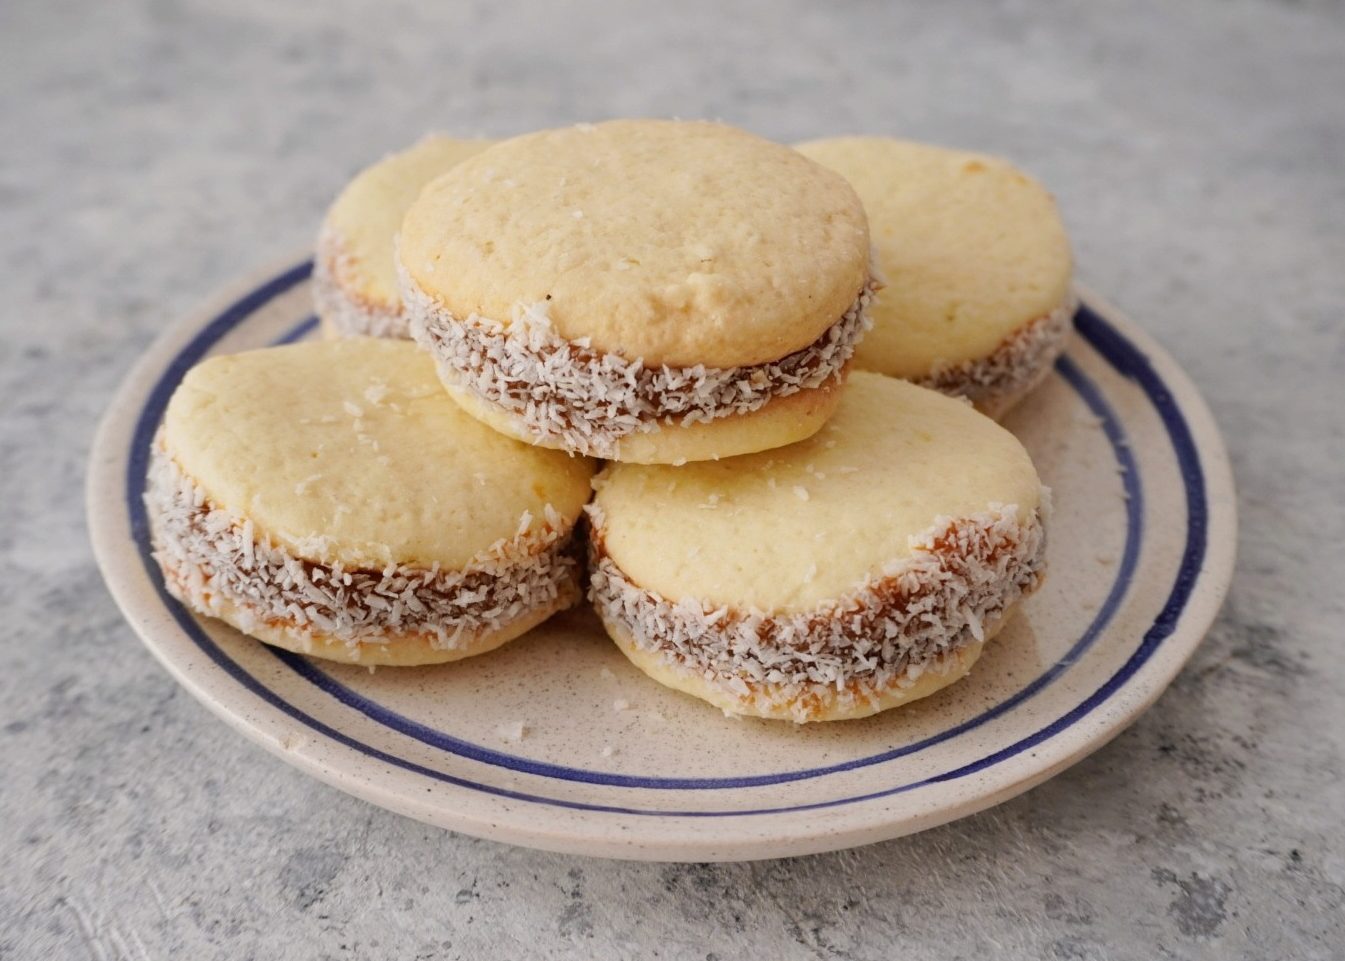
(611,764)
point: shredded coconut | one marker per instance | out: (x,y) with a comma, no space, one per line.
(962,575)
(586,400)
(302,486)
(1015,366)
(348,313)
(210,558)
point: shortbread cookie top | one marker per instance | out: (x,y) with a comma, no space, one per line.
(350,451)
(678,243)
(788,529)
(367,214)
(971,249)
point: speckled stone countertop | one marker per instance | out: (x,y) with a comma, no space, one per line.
(154,150)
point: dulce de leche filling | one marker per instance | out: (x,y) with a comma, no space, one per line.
(351,313)
(587,400)
(1017,364)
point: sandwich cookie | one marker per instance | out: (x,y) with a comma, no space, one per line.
(844,575)
(979,301)
(640,290)
(354,277)
(330,499)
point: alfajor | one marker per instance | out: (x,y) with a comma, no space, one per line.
(979,299)
(853,572)
(641,290)
(354,277)
(329,498)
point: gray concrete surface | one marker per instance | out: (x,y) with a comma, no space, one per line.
(153,150)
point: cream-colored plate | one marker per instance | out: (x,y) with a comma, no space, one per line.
(1141,552)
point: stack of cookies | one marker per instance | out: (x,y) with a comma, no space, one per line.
(664,328)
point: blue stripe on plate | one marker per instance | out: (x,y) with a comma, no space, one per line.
(1096,403)
(1110,344)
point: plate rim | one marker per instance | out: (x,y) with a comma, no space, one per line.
(1210,586)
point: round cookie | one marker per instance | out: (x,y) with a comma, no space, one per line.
(636,289)
(852,572)
(354,271)
(978,300)
(329,498)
